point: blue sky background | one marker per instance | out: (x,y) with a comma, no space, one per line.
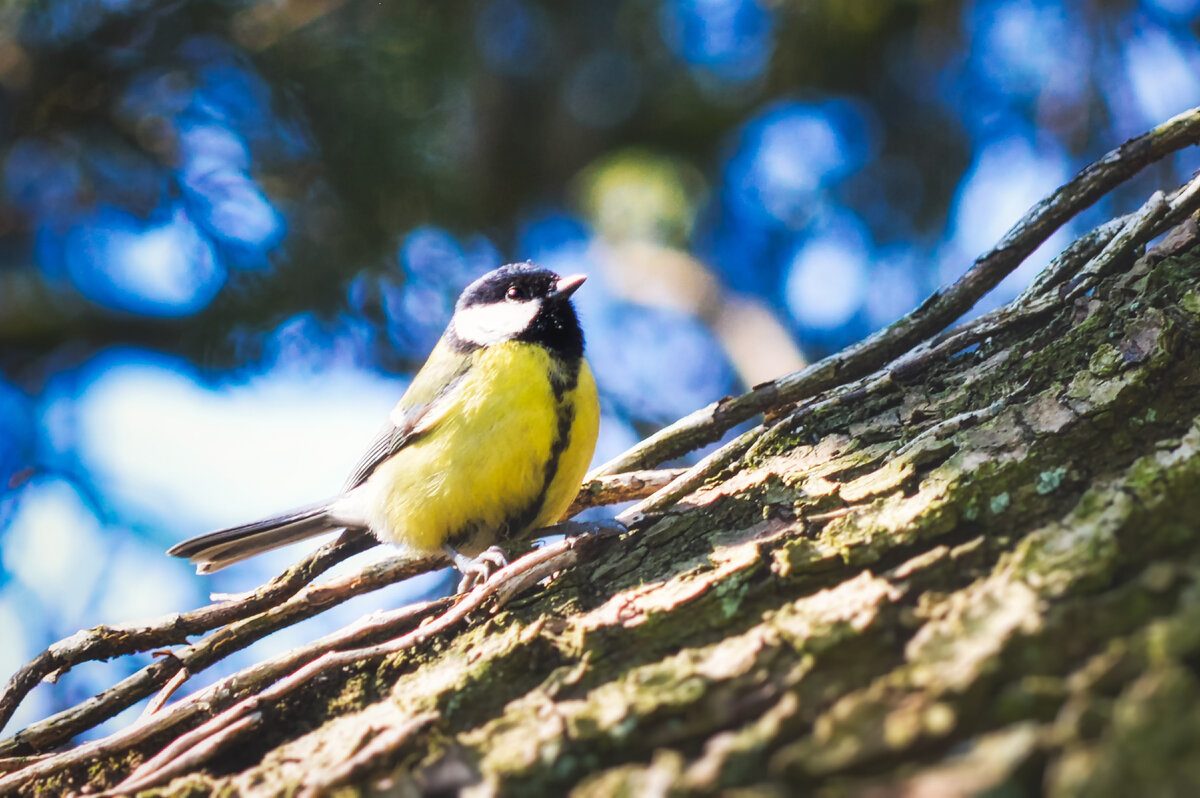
(229,234)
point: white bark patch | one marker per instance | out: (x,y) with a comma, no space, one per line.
(491,324)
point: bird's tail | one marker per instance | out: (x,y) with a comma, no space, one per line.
(214,551)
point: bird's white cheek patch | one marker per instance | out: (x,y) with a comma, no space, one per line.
(490,324)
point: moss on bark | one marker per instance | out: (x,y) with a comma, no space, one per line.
(874,602)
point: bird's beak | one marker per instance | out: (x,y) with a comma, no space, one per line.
(568,285)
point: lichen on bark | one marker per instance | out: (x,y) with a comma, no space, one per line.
(874,601)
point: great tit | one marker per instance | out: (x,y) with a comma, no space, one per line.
(490,440)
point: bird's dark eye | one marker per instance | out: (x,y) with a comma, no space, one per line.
(513,292)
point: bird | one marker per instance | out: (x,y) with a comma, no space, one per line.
(490,441)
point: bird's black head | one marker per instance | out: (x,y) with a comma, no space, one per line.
(520,302)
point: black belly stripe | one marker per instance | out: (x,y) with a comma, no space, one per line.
(563,380)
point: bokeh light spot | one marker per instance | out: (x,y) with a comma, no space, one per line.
(55,540)
(195,457)
(730,40)
(155,270)
(792,152)
(513,37)
(1165,79)
(826,278)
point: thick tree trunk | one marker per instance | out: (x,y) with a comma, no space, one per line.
(987,579)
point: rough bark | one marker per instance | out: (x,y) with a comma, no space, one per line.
(987,579)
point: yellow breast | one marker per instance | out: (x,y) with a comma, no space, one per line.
(508,455)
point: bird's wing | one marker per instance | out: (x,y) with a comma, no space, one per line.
(427,399)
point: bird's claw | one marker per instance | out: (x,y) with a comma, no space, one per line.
(477,570)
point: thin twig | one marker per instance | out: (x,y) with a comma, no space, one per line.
(190,759)
(943,307)
(503,584)
(234,637)
(1067,263)
(168,690)
(106,642)
(691,479)
(1158,214)
(222,694)
(783,426)
(617,488)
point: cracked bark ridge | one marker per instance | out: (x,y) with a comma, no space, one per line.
(874,603)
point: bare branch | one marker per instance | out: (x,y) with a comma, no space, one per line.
(212,699)
(215,647)
(617,488)
(168,690)
(106,642)
(709,423)
(499,588)
(194,757)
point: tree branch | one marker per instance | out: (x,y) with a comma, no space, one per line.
(220,695)
(240,621)
(215,734)
(1091,257)
(106,642)
(228,639)
(709,423)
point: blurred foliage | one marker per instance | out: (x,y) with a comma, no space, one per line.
(293,142)
(280,149)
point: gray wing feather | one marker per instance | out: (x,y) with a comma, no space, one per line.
(391,438)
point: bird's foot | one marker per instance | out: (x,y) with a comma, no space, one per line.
(477,570)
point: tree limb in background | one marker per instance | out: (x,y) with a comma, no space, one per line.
(1083,263)
(709,423)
